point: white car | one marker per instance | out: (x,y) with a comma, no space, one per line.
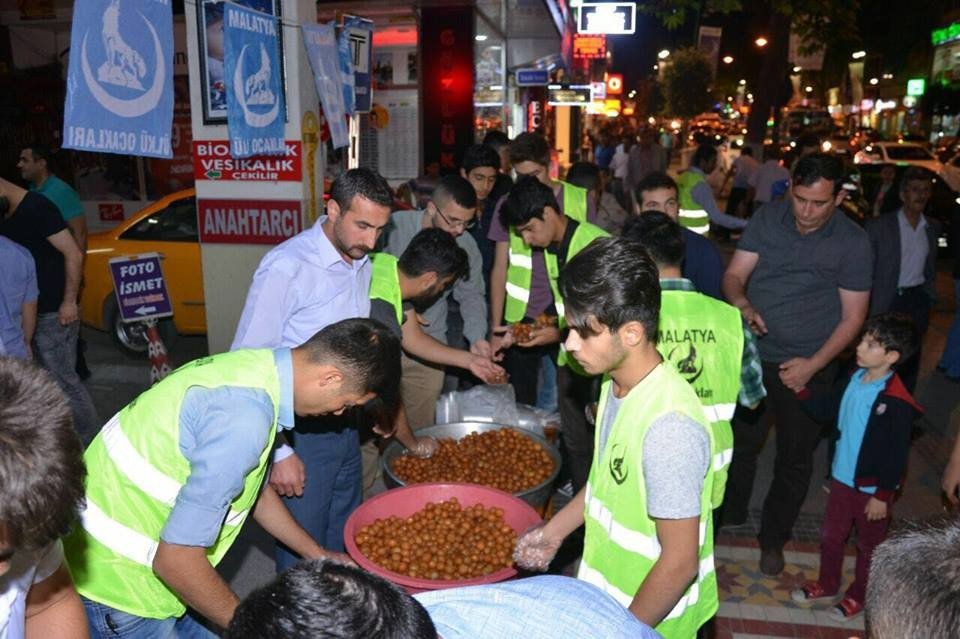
(898,153)
(951,173)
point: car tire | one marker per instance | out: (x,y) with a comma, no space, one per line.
(131,338)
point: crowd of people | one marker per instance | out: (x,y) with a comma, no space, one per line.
(666,367)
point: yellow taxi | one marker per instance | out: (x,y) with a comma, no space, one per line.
(168,227)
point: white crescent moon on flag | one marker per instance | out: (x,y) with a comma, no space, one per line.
(256,120)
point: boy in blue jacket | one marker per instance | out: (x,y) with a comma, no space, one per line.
(875,418)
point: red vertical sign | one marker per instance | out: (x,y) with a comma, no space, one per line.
(446,53)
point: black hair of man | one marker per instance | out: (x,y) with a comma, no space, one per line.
(818,166)
(746,150)
(614,281)
(365,351)
(41,457)
(40,151)
(530,147)
(363,182)
(321,599)
(659,235)
(914,174)
(526,201)
(705,153)
(653,181)
(480,156)
(496,139)
(894,332)
(914,586)
(808,141)
(434,250)
(457,189)
(586,175)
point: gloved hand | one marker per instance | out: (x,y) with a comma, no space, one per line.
(424,447)
(535,549)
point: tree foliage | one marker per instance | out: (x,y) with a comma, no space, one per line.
(686,83)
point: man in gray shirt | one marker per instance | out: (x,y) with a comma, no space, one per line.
(801,278)
(453,209)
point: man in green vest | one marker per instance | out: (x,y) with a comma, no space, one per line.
(530,157)
(704,338)
(698,207)
(533,215)
(173,476)
(647,504)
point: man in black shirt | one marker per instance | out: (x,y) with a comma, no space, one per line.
(33,221)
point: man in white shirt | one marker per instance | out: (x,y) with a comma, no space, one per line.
(763,179)
(41,488)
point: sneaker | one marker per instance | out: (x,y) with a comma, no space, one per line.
(847,609)
(771,562)
(811,592)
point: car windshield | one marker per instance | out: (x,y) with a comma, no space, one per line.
(908,153)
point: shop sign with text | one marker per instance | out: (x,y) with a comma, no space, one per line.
(212,161)
(248,221)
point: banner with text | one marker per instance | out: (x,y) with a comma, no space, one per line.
(212,161)
(355,45)
(248,221)
(120,81)
(321,43)
(255,105)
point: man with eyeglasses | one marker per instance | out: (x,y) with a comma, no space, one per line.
(453,209)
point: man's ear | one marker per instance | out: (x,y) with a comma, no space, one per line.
(891,357)
(428,279)
(463,173)
(840,197)
(329,375)
(333,209)
(632,333)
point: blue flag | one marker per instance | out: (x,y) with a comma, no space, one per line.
(255,105)
(345,51)
(120,79)
(321,43)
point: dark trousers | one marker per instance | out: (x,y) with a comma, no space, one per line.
(916,303)
(845,508)
(797,437)
(574,394)
(737,195)
(523,367)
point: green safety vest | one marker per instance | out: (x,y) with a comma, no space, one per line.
(692,215)
(520,257)
(385,282)
(703,338)
(137,471)
(621,544)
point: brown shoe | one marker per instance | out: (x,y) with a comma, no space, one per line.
(771,561)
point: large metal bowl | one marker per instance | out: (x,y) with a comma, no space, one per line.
(536,496)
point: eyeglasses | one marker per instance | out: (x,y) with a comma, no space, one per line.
(455,224)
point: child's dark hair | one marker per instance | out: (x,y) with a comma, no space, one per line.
(895,332)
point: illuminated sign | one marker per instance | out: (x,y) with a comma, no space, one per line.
(612,105)
(607,17)
(532,77)
(589,47)
(573,95)
(614,84)
(945,35)
(599,90)
(916,87)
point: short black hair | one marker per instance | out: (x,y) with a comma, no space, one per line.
(434,250)
(365,351)
(703,154)
(530,147)
(41,457)
(455,187)
(614,281)
(586,175)
(496,139)
(914,174)
(479,156)
(40,151)
(818,166)
(363,182)
(653,181)
(525,201)
(659,235)
(322,599)
(807,140)
(894,332)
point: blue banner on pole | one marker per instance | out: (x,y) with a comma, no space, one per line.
(120,78)
(321,43)
(345,58)
(255,105)
(357,37)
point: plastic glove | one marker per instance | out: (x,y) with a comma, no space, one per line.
(424,447)
(535,550)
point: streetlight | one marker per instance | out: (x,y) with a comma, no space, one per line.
(797,69)
(727,59)
(857,55)
(656,66)
(743,83)
(808,89)
(761,42)
(874,82)
(664,54)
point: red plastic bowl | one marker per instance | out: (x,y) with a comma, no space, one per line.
(403,502)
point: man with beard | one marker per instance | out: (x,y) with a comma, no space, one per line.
(317,278)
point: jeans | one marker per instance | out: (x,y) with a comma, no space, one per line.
(55,348)
(332,490)
(547,389)
(105,622)
(797,437)
(950,360)
(916,303)
(523,366)
(845,507)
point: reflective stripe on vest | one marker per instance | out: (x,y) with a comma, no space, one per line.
(621,545)
(385,282)
(703,338)
(692,214)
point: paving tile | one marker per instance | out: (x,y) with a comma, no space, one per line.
(753,611)
(778,613)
